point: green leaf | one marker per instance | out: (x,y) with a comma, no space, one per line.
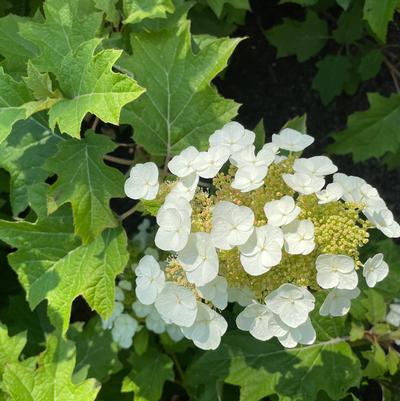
(10,347)
(141,341)
(180,108)
(218,5)
(379,13)
(110,10)
(86,182)
(333,72)
(96,353)
(51,264)
(376,366)
(24,153)
(373,132)
(259,130)
(13,47)
(16,103)
(344,3)
(137,10)
(148,375)
(299,123)
(51,380)
(393,361)
(303,39)
(67,24)
(86,80)
(300,2)
(349,26)
(266,368)
(89,86)
(370,64)
(375,306)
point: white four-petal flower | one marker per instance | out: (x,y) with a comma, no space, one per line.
(232,225)
(182,165)
(174,222)
(262,251)
(282,211)
(216,291)
(336,271)
(338,302)
(249,178)
(150,280)
(199,259)
(375,270)
(318,166)
(233,136)
(208,164)
(302,334)
(185,187)
(291,303)
(393,317)
(384,221)
(304,184)
(207,329)
(142,182)
(299,237)
(332,193)
(124,329)
(176,305)
(292,140)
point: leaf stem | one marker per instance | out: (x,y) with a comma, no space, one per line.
(394,72)
(129,212)
(118,160)
(178,366)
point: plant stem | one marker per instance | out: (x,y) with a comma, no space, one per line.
(95,123)
(178,367)
(132,210)
(118,160)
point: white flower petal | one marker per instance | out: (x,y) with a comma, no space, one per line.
(124,328)
(208,164)
(375,270)
(215,291)
(332,193)
(338,302)
(299,237)
(142,182)
(182,164)
(319,166)
(207,329)
(304,184)
(176,305)
(249,178)
(233,136)
(292,140)
(282,211)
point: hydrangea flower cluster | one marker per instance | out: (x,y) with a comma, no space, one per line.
(270,231)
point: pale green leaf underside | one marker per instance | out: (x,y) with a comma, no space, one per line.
(51,380)
(51,264)
(138,10)
(87,183)
(179,108)
(373,132)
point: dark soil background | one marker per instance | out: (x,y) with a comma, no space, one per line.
(280,89)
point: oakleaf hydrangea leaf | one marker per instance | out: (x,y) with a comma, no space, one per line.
(15,49)
(138,10)
(51,380)
(333,73)
(96,352)
(24,154)
(179,108)
(89,85)
(373,132)
(10,347)
(110,10)
(148,375)
(67,24)
(86,182)
(303,39)
(16,103)
(379,13)
(266,368)
(218,5)
(51,264)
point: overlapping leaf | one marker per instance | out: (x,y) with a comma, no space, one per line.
(52,264)
(51,380)
(24,153)
(266,368)
(373,132)
(86,182)
(148,375)
(138,10)
(379,13)
(179,108)
(10,347)
(67,44)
